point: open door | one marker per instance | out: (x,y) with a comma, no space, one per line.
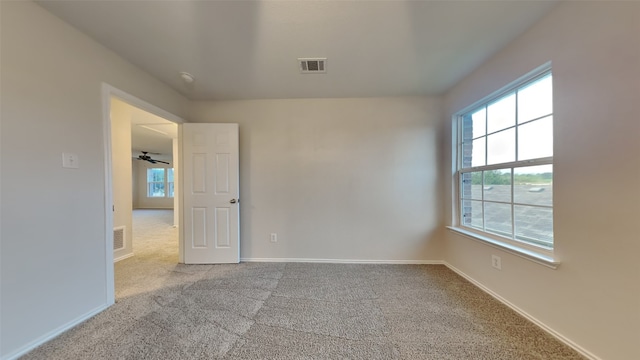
(211,217)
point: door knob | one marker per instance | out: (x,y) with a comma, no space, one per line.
(233,201)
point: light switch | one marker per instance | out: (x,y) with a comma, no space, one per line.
(70,161)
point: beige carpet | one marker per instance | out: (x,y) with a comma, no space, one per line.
(293,311)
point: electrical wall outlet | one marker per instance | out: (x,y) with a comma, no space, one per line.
(274,237)
(496,262)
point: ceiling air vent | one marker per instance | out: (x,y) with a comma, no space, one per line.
(313,66)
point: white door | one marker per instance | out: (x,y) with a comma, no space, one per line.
(210,165)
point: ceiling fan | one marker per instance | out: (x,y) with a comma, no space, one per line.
(148,158)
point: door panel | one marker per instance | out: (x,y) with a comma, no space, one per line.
(211,208)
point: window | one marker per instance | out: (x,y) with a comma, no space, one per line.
(505,165)
(159,180)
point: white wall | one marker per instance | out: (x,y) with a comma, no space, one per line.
(593,298)
(142,201)
(337,178)
(121,174)
(53,249)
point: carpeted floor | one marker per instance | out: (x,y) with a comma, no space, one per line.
(165,310)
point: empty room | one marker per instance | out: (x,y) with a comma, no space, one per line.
(347,179)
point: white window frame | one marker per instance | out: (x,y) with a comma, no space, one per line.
(165,181)
(540,254)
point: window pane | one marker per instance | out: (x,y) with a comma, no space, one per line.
(534,225)
(535,100)
(498,218)
(501,114)
(473,153)
(533,185)
(472,185)
(156,189)
(155,174)
(478,152)
(497,185)
(170,174)
(472,213)
(170,185)
(535,139)
(479,122)
(501,147)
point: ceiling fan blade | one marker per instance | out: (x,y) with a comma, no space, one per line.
(164,162)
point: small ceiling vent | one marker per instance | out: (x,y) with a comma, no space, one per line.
(313,66)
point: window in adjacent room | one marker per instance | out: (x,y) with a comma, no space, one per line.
(505,165)
(160,182)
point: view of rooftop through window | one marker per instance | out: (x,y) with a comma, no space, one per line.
(506,167)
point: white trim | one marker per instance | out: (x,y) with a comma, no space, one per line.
(141,104)
(120,258)
(511,164)
(108,92)
(54,333)
(522,252)
(584,352)
(343,261)
(110,291)
(153,208)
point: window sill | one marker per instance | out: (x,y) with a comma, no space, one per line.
(539,258)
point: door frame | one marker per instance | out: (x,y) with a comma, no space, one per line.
(108,92)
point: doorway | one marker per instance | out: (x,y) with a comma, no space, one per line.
(132,182)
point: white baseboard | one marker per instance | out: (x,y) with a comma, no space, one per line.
(53,333)
(126,256)
(344,261)
(527,316)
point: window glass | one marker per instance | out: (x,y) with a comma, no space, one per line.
(155,174)
(497,185)
(534,225)
(535,139)
(478,153)
(535,100)
(472,185)
(533,185)
(472,215)
(501,147)
(156,182)
(479,121)
(497,218)
(156,189)
(501,114)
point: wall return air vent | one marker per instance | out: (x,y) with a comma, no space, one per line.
(118,238)
(313,65)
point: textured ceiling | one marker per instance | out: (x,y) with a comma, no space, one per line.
(248,49)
